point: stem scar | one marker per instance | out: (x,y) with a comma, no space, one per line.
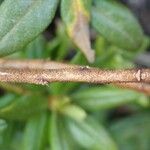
(138,75)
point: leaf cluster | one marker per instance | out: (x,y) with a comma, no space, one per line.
(70,116)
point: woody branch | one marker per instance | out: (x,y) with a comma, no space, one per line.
(44,72)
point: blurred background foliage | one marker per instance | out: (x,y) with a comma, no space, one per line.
(71,116)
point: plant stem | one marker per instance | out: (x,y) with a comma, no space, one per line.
(44,72)
(83,74)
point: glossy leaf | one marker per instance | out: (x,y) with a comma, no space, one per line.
(22,21)
(21,107)
(76,16)
(90,135)
(35,133)
(117,24)
(133,133)
(104,97)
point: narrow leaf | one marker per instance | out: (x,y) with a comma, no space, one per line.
(6,136)
(58,140)
(21,107)
(117,24)
(90,135)
(3,125)
(104,97)
(133,133)
(34,134)
(22,21)
(36,49)
(76,15)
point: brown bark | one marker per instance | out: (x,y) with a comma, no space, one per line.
(82,74)
(44,72)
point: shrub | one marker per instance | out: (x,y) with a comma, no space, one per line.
(67,116)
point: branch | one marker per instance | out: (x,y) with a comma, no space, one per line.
(44,72)
(83,74)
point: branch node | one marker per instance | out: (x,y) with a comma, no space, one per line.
(138,75)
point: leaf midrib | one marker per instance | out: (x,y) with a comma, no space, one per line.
(19,20)
(119,29)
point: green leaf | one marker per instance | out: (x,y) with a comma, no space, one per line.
(6,137)
(35,133)
(76,16)
(54,138)
(22,21)
(104,97)
(1,1)
(21,107)
(117,24)
(133,133)
(73,111)
(6,100)
(90,135)
(36,49)
(65,43)
(3,125)
(58,137)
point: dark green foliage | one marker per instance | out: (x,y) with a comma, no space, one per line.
(35,132)
(91,135)
(21,107)
(105,97)
(133,133)
(71,116)
(1,1)
(22,21)
(3,125)
(117,25)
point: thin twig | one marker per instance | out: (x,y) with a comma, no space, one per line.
(43,72)
(83,74)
